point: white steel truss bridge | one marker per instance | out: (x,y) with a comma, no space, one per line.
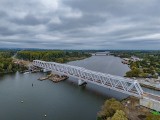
(117,83)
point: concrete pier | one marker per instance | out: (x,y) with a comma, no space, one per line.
(45,70)
(81,82)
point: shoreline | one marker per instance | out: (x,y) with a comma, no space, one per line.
(143,83)
(3,73)
(150,87)
(150,83)
(27,63)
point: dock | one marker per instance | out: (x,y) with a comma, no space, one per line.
(54,78)
(43,78)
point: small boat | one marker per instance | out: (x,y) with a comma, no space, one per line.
(26,72)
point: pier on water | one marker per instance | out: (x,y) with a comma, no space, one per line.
(120,84)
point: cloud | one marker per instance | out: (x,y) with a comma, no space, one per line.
(80,24)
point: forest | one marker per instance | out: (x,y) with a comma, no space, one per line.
(56,55)
(6,62)
(8,58)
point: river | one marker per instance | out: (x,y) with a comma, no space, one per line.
(59,101)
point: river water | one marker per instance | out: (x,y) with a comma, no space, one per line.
(59,101)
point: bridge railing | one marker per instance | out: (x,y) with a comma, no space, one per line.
(121,84)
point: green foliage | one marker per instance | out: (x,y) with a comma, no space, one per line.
(57,56)
(9,68)
(6,65)
(143,75)
(155,112)
(119,115)
(6,62)
(153,117)
(7,54)
(148,67)
(133,73)
(109,109)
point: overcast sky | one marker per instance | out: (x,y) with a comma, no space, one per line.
(80,24)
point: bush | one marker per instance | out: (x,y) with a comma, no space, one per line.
(109,109)
(153,117)
(119,115)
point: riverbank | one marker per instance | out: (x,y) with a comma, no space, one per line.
(6,72)
(12,61)
(127,109)
(27,64)
(150,83)
(150,87)
(135,111)
(147,82)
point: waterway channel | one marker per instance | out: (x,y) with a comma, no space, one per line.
(58,101)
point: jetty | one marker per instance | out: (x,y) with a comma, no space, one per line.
(54,78)
(43,78)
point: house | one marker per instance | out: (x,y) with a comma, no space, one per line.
(125,60)
(134,59)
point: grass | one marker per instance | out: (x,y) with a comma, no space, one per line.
(155,112)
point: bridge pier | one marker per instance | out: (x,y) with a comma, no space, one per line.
(45,70)
(81,82)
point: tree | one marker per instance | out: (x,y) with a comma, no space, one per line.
(10,67)
(109,108)
(153,117)
(59,60)
(133,73)
(1,65)
(119,115)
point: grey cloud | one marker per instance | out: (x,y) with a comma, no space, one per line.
(3,14)
(74,24)
(80,24)
(29,20)
(5,31)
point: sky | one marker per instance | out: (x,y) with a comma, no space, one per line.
(80,24)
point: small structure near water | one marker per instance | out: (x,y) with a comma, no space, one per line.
(54,78)
(43,78)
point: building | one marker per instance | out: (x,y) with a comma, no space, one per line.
(134,59)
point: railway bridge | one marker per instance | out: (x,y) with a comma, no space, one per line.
(117,83)
(121,84)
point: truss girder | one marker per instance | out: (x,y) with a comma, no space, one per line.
(121,84)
